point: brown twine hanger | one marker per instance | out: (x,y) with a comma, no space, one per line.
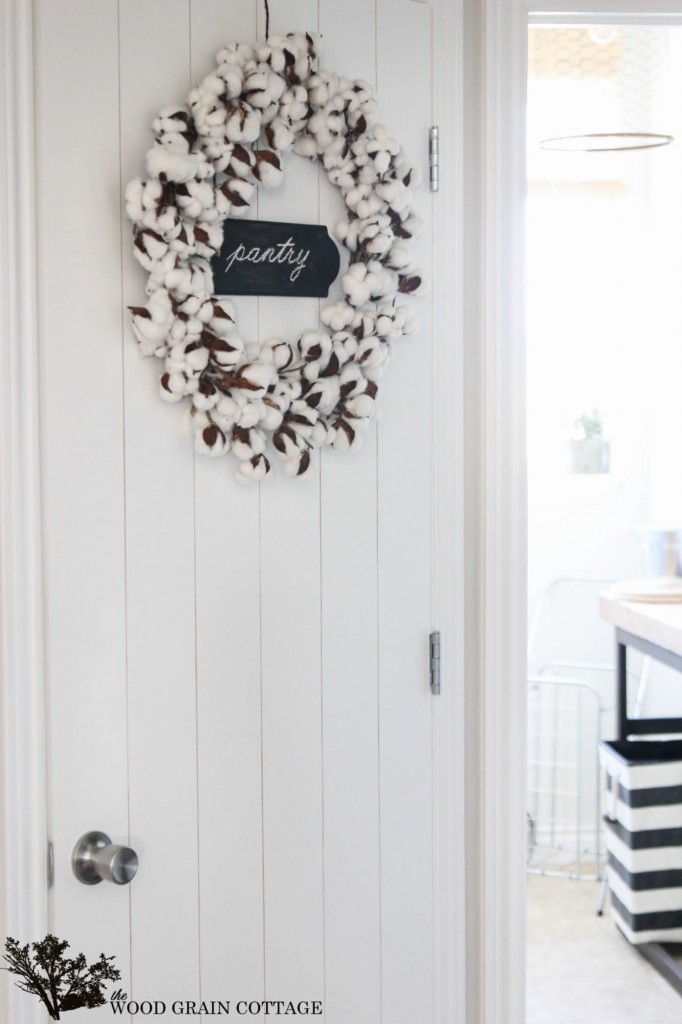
(267,20)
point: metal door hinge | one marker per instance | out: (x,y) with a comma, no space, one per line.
(434,663)
(434,180)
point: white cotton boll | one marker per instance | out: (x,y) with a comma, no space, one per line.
(343,436)
(364,201)
(150,337)
(304,47)
(243,124)
(239,193)
(382,148)
(412,225)
(238,54)
(250,415)
(400,256)
(232,77)
(279,136)
(356,285)
(337,316)
(321,87)
(282,355)
(150,248)
(324,395)
(243,162)
(178,332)
(253,471)
(408,321)
(206,397)
(336,154)
(172,387)
(272,53)
(271,416)
(313,344)
(133,199)
(306,146)
(363,324)
(191,305)
(290,466)
(171,119)
(344,347)
(213,84)
(268,168)
(197,359)
(151,194)
(252,351)
(293,108)
(160,307)
(175,360)
(247,443)
(258,375)
(197,199)
(386,325)
(168,221)
(287,390)
(397,195)
(177,167)
(377,238)
(342,176)
(370,206)
(351,380)
(288,443)
(178,143)
(264,87)
(196,419)
(320,434)
(226,408)
(359,408)
(341,231)
(179,282)
(371,353)
(227,353)
(211,441)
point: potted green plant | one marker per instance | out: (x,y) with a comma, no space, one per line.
(589,452)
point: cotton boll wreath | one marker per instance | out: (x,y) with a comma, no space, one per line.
(206,161)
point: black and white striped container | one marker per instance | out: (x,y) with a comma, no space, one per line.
(643,804)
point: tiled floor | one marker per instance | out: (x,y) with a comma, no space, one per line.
(580,968)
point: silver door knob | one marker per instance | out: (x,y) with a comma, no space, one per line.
(96,859)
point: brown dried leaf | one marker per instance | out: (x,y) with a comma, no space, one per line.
(409,284)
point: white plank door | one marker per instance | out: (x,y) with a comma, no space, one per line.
(238,677)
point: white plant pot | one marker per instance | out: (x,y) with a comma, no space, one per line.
(592,455)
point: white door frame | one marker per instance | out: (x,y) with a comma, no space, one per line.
(503,503)
(23,783)
(23,895)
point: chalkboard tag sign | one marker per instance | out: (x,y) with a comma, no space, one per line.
(260,257)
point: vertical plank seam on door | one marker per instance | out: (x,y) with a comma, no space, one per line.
(196,627)
(260,626)
(125,488)
(436,820)
(322,758)
(378,621)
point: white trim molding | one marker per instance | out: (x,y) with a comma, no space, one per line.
(504,505)
(448,602)
(24,841)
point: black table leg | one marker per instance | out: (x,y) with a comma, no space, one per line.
(622,689)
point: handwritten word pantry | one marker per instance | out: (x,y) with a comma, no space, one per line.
(285,252)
